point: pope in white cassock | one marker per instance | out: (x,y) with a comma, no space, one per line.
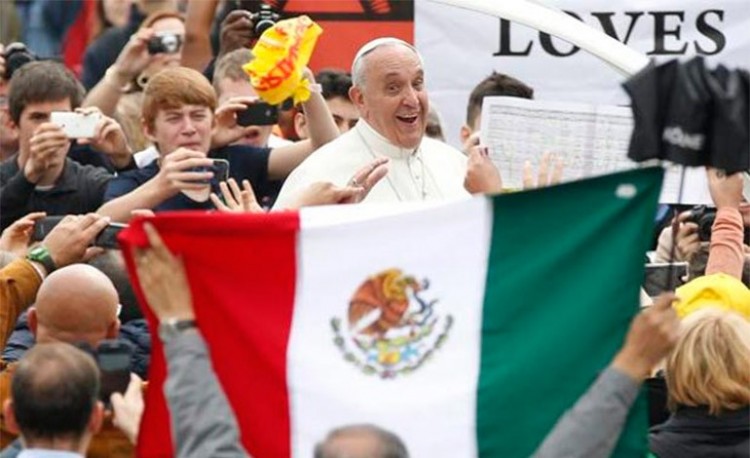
(389,93)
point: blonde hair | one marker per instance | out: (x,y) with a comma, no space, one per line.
(128,115)
(710,366)
(229,67)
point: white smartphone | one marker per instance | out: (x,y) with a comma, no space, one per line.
(76,125)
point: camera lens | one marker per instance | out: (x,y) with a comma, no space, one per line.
(263,25)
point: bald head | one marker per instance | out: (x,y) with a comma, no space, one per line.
(76,303)
(361,441)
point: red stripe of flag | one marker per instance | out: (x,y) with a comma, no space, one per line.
(242,273)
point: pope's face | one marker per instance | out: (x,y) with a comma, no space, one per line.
(394,100)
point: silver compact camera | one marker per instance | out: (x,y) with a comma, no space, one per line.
(164,43)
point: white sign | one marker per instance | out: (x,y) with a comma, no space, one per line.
(590,140)
(462,47)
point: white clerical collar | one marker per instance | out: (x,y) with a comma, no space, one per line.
(380,145)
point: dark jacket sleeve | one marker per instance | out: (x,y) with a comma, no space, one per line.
(14,198)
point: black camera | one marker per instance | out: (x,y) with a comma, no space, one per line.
(16,56)
(265,18)
(704,217)
(164,43)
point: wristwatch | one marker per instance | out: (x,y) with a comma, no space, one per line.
(41,255)
(171,328)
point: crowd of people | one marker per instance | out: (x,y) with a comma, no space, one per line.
(169,134)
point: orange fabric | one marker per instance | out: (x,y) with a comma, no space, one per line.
(19,282)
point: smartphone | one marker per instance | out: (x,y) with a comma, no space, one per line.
(76,125)
(258,114)
(657,280)
(113,358)
(220,168)
(107,238)
(44,226)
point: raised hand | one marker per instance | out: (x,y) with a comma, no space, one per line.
(47,150)
(177,171)
(482,177)
(550,172)
(236,200)
(16,237)
(163,279)
(652,335)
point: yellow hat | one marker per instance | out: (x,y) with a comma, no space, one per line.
(717,290)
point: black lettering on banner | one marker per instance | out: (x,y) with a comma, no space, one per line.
(710,32)
(667,34)
(605,19)
(545,40)
(505,48)
(661,32)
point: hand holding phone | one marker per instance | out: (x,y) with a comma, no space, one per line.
(106,238)
(220,170)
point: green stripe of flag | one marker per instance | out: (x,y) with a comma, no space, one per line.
(562,286)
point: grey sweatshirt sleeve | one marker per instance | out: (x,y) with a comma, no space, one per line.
(593,426)
(203,423)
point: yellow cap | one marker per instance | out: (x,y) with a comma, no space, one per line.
(717,290)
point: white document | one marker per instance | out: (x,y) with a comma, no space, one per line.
(591,140)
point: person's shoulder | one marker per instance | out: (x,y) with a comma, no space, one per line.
(128,181)
(87,172)
(430,146)
(339,151)
(9,167)
(239,153)
(140,175)
(112,35)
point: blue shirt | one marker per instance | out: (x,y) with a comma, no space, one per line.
(245,163)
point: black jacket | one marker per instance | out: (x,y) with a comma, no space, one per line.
(80,189)
(692,432)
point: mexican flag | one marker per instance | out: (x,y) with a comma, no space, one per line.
(467,328)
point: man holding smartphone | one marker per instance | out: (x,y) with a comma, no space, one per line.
(178,116)
(41,177)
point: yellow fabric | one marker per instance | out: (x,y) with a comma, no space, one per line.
(717,290)
(281,54)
